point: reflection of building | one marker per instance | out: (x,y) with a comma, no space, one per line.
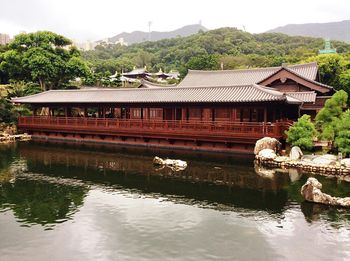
(4,39)
(200,178)
(208,110)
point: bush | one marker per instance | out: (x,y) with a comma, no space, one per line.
(342,139)
(302,133)
(7,112)
(328,117)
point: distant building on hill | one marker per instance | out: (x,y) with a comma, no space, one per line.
(327,48)
(139,74)
(4,39)
(86,46)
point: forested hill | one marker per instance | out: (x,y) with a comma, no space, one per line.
(335,30)
(207,50)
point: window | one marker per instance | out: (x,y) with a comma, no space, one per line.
(222,113)
(195,113)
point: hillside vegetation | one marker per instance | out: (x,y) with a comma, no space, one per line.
(235,48)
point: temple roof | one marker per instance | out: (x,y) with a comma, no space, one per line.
(197,78)
(147,84)
(303,96)
(229,94)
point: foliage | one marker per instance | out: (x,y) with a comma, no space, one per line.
(7,111)
(342,139)
(328,117)
(21,88)
(344,80)
(331,66)
(43,57)
(302,133)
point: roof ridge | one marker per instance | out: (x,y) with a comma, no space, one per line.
(269,90)
(302,92)
(256,68)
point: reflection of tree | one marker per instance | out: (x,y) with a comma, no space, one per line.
(41,202)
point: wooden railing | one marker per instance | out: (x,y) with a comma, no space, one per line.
(155,127)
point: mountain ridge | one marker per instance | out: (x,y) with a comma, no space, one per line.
(332,30)
(140,36)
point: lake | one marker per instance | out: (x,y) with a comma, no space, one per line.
(59,202)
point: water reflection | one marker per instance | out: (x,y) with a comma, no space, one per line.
(209,184)
(48,184)
(34,199)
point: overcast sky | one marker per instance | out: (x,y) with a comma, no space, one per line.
(97,19)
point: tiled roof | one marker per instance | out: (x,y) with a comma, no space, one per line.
(135,72)
(148,84)
(196,78)
(230,94)
(303,96)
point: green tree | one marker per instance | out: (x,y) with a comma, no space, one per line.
(344,80)
(302,133)
(203,62)
(330,66)
(7,111)
(342,139)
(328,117)
(43,57)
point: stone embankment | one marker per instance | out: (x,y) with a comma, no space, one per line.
(6,138)
(326,164)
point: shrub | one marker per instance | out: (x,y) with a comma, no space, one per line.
(342,139)
(302,133)
(328,117)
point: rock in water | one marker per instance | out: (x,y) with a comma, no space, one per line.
(267,154)
(158,161)
(295,153)
(175,165)
(311,191)
(267,143)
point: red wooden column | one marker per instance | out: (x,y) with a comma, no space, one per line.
(206,114)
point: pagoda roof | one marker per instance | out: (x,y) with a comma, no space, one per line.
(200,78)
(147,84)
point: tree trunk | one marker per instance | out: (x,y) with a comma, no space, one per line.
(42,85)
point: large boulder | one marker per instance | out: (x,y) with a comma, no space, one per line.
(295,153)
(311,191)
(267,154)
(267,143)
(345,162)
(326,159)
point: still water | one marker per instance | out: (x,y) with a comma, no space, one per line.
(65,203)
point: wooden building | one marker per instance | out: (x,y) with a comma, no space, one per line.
(208,110)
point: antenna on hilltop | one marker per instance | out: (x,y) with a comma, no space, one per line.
(244,29)
(200,22)
(149,30)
